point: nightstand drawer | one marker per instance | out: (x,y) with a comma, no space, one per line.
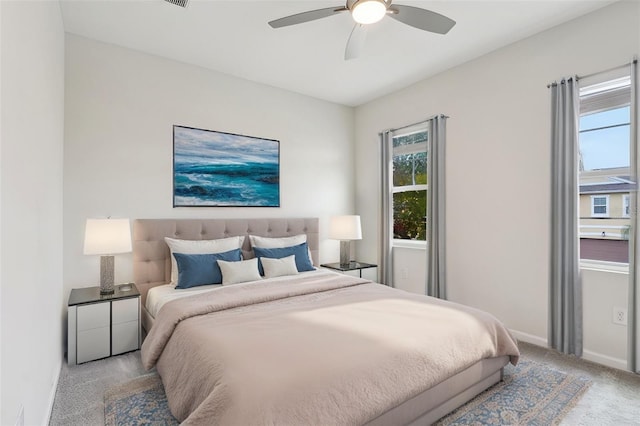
(124,337)
(124,310)
(93,344)
(92,316)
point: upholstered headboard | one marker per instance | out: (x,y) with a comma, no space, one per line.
(151,257)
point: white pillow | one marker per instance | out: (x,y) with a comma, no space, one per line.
(279,267)
(199,247)
(281,242)
(239,272)
(266,242)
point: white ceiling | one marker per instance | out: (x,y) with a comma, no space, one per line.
(233,37)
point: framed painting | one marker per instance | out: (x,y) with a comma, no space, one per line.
(217,169)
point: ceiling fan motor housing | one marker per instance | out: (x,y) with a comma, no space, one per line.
(351,3)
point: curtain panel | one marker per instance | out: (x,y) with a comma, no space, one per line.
(565,288)
(385,263)
(436,253)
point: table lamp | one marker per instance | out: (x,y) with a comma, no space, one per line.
(345,229)
(107,237)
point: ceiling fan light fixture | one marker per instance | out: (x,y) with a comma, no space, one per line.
(368,11)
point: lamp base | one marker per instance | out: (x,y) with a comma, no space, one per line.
(345,252)
(106,275)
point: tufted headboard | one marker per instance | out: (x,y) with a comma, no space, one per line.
(151,257)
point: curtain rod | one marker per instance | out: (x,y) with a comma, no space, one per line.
(580,77)
(415,124)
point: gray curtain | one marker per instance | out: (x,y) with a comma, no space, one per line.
(385,263)
(436,258)
(633,317)
(565,288)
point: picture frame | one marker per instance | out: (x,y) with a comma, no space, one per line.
(220,169)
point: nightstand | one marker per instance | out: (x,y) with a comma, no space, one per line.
(352,266)
(100,325)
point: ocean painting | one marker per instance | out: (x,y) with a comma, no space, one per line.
(224,170)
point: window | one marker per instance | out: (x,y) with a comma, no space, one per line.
(604,140)
(625,206)
(599,206)
(410,185)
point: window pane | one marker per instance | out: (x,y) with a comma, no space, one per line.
(420,161)
(604,170)
(410,169)
(403,170)
(409,212)
(605,118)
(605,148)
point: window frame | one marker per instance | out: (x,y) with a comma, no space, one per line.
(414,148)
(597,96)
(606,206)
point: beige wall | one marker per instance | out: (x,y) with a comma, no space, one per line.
(120,107)
(604,341)
(499,109)
(31,123)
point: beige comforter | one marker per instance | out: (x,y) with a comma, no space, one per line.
(323,349)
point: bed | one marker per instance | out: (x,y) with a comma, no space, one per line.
(313,348)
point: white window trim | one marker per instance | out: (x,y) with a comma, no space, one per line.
(604,266)
(606,206)
(407,188)
(410,244)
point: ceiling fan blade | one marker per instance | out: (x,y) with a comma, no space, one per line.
(421,18)
(303,17)
(356,42)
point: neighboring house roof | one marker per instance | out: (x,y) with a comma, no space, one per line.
(619,184)
(607,188)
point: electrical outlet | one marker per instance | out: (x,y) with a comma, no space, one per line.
(20,421)
(619,315)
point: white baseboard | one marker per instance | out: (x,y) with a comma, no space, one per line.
(52,395)
(529,338)
(609,361)
(588,355)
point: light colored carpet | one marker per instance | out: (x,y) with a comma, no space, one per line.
(80,394)
(612,399)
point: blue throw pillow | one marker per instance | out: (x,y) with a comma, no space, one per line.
(301,251)
(202,269)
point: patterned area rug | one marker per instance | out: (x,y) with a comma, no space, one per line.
(139,402)
(530,394)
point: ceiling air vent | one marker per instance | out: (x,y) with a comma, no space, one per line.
(181,3)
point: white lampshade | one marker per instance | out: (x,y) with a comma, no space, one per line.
(345,228)
(368,11)
(107,236)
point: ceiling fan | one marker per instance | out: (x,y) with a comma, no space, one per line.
(365,12)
